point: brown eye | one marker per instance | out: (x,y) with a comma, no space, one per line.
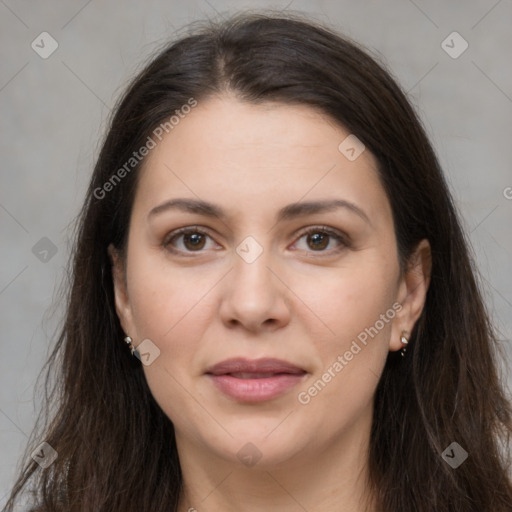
(188,240)
(194,241)
(318,241)
(321,240)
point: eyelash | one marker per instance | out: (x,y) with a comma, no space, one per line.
(339,237)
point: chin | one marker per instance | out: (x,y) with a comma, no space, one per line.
(259,449)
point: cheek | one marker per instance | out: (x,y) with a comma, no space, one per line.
(356,306)
(349,299)
(165,297)
(172,307)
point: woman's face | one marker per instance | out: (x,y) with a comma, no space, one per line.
(289,254)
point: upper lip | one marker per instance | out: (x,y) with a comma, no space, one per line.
(265,365)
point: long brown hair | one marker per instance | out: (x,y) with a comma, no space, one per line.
(116,448)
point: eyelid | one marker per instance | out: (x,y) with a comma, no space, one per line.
(186,229)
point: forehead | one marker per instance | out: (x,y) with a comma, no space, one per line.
(241,153)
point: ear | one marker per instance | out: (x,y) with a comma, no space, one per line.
(412,293)
(122,301)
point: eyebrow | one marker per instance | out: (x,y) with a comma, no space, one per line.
(288,212)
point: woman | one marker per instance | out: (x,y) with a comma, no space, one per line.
(272,306)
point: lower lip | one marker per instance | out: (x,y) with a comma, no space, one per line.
(256,390)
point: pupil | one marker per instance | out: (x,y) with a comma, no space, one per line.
(195,240)
(318,241)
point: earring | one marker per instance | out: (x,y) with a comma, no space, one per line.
(404,341)
(128,341)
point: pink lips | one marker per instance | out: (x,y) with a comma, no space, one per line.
(255,380)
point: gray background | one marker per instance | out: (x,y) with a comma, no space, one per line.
(53,112)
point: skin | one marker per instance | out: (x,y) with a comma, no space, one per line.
(294,302)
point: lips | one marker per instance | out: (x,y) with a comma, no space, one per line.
(247,375)
(257,368)
(254,380)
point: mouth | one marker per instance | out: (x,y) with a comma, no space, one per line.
(255,380)
(246,375)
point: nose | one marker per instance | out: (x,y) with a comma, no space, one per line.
(254,297)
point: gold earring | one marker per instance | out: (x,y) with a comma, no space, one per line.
(404,341)
(128,341)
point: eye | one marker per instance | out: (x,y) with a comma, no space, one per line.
(188,240)
(318,239)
